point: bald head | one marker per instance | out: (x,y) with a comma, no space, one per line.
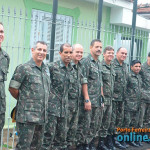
(121,54)
(77,52)
(77,46)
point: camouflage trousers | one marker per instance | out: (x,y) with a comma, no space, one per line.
(2,122)
(106,118)
(29,136)
(72,122)
(131,119)
(89,122)
(117,117)
(55,133)
(144,119)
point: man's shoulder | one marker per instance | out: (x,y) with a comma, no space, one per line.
(86,60)
(144,65)
(6,55)
(24,67)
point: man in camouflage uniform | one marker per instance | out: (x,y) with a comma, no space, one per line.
(145,106)
(62,76)
(4,64)
(118,97)
(108,77)
(75,94)
(30,86)
(133,98)
(90,109)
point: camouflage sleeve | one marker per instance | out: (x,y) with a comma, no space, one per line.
(50,67)
(8,59)
(17,77)
(83,79)
(127,84)
(85,71)
(101,80)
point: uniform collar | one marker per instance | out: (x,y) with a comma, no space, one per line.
(91,58)
(117,62)
(62,63)
(133,74)
(104,64)
(3,53)
(33,64)
(147,66)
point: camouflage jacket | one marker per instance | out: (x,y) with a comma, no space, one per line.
(145,74)
(133,91)
(120,80)
(62,78)
(33,84)
(108,77)
(4,65)
(92,73)
(74,94)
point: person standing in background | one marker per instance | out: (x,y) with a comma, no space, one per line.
(4,65)
(117,117)
(108,77)
(74,95)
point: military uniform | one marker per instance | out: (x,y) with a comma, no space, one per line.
(132,100)
(55,133)
(145,106)
(89,120)
(74,97)
(4,64)
(118,96)
(108,77)
(33,83)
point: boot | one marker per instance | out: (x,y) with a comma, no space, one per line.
(133,144)
(86,147)
(117,143)
(101,145)
(80,147)
(124,144)
(139,143)
(92,145)
(109,143)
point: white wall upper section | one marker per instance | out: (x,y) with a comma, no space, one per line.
(123,17)
(121,14)
(113,3)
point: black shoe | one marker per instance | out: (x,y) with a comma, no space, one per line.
(124,144)
(139,143)
(86,147)
(133,144)
(109,143)
(101,145)
(92,145)
(80,147)
(148,142)
(118,144)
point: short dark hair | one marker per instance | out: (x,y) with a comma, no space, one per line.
(64,45)
(95,40)
(108,48)
(149,54)
(41,42)
(135,62)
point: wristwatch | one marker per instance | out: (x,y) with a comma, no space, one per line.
(86,100)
